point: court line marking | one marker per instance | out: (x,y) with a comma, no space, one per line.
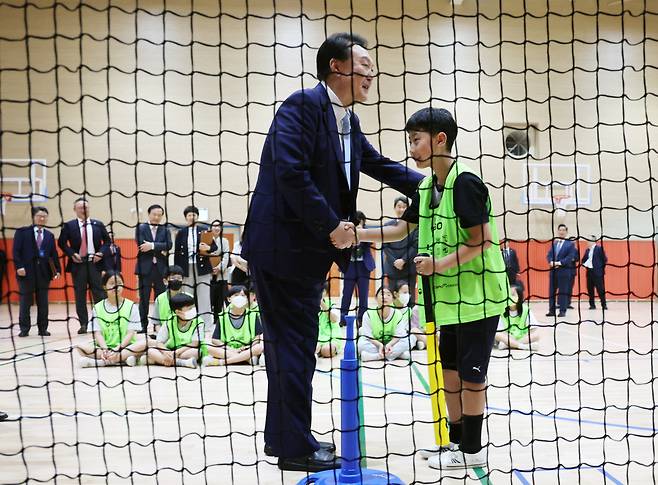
(520,475)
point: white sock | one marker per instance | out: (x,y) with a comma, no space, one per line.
(368,356)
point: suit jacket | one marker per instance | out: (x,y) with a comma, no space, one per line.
(567,256)
(111,261)
(27,255)
(302,192)
(162,243)
(181,255)
(406,249)
(70,239)
(599,260)
(366,251)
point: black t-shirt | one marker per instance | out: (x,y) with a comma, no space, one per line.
(470,197)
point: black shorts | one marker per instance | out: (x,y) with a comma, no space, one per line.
(466,348)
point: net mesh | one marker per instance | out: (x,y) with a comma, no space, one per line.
(141,102)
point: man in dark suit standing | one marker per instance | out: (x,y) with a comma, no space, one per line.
(153,243)
(398,264)
(594,261)
(511,262)
(197,269)
(111,257)
(561,258)
(300,221)
(36,261)
(84,241)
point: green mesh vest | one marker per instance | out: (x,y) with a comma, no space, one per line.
(517,326)
(179,338)
(471,291)
(114,326)
(384,331)
(328,331)
(237,337)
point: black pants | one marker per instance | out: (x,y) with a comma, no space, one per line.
(218,289)
(595,281)
(289,313)
(153,280)
(33,288)
(86,276)
(560,282)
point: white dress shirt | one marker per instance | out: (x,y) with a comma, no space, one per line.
(192,245)
(340,112)
(590,256)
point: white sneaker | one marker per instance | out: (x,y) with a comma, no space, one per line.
(458,459)
(434,450)
(420,345)
(142,360)
(89,362)
(190,363)
(405,355)
(209,361)
(131,361)
(254,360)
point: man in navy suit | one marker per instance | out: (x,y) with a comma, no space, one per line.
(111,257)
(358,274)
(300,221)
(561,258)
(197,269)
(153,243)
(84,241)
(594,261)
(36,261)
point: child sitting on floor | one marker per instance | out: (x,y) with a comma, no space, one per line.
(114,322)
(180,339)
(330,337)
(515,328)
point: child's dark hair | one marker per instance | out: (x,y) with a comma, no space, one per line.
(434,121)
(399,284)
(520,298)
(181,300)
(235,289)
(360,217)
(381,289)
(190,209)
(402,198)
(173,270)
(110,274)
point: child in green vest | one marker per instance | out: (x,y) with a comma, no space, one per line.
(330,336)
(180,340)
(384,332)
(238,334)
(161,312)
(114,322)
(401,299)
(515,330)
(458,252)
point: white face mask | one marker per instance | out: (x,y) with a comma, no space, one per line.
(239,301)
(189,314)
(404,298)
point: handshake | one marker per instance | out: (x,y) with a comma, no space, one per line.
(344,235)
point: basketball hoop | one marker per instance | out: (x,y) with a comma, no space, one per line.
(560,206)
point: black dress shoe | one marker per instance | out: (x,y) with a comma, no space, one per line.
(3,416)
(550,314)
(562,314)
(605,307)
(82,330)
(45,333)
(23,333)
(592,307)
(570,307)
(315,462)
(324,445)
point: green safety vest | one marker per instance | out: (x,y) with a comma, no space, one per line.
(471,291)
(517,326)
(164,310)
(237,337)
(179,338)
(381,330)
(329,332)
(114,326)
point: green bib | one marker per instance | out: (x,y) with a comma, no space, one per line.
(114,326)
(328,331)
(517,326)
(237,337)
(381,330)
(164,310)
(471,291)
(179,338)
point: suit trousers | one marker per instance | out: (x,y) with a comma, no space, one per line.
(33,288)
(199,286)
(289,309)
(356,275)
(86,276)
(560,282)
(595,281)
(152,280)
